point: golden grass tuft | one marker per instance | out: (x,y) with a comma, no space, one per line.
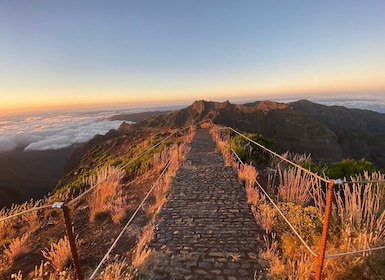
(119,268)
(107,182)
(17,276)
(248,174)
(294,186)
(142,252)
(7,230)
(253,196)
(117,209)
(58,254)
(18,247)
(272,255)
(42,272)
(360,214)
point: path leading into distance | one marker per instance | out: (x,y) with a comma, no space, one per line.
(206,229)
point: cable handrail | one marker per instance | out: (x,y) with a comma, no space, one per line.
(336,182)
(363,181)
(329,256)
(281,157)
(129,222)
(280,212)
(72,201)
(25,212)
(126,164)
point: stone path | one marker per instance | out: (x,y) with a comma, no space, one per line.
(206,230)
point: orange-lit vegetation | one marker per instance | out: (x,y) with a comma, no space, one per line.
(358,216)
(17,247)
(141,253)
(107,195)
(58,254)
(357,222)
(119,183)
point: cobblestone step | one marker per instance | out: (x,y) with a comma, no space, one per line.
(206,229)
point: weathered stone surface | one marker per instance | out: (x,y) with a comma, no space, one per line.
(206,229)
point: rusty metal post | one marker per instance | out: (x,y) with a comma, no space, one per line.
(321,256)
(71,237)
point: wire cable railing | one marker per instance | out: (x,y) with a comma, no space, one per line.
(331,183)
(77,198)
(128,163)
(64,205)
(128,223)
(280,157)
(25,212)
(279,210)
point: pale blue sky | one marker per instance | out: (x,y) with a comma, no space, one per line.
(77,52)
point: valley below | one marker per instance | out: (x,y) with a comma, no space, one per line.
(30,174)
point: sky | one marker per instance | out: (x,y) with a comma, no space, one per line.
(69,54)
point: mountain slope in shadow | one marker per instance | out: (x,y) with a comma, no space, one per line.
(328,133)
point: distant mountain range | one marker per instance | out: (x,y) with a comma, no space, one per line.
(328,133)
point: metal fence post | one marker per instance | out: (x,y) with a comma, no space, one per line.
(321,256)
(71,237)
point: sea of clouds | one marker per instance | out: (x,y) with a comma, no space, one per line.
(56,130)
(46,131)
(375,103)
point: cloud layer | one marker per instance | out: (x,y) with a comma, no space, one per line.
(52,131)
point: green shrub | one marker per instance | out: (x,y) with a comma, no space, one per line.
(343,169)
(249,152)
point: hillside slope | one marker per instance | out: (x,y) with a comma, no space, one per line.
(328,133)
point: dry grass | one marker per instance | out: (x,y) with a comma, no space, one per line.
(107,182)
(248,174)
(18,247)
(294,186)
(358,221)
(360,212)
(272,255)
(142,252)
(32,218)
(154,208)
(118,269)
(17,276)
(205,125)
(42,272)
(117,209)
(221,137)
(268,215)
(301,268)
(58,254)
(176,153)
(7,230)
(253,196)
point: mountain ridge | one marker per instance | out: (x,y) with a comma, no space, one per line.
(328,133)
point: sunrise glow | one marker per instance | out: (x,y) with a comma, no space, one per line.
(71,55)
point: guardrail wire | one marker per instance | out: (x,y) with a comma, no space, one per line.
(328,197)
